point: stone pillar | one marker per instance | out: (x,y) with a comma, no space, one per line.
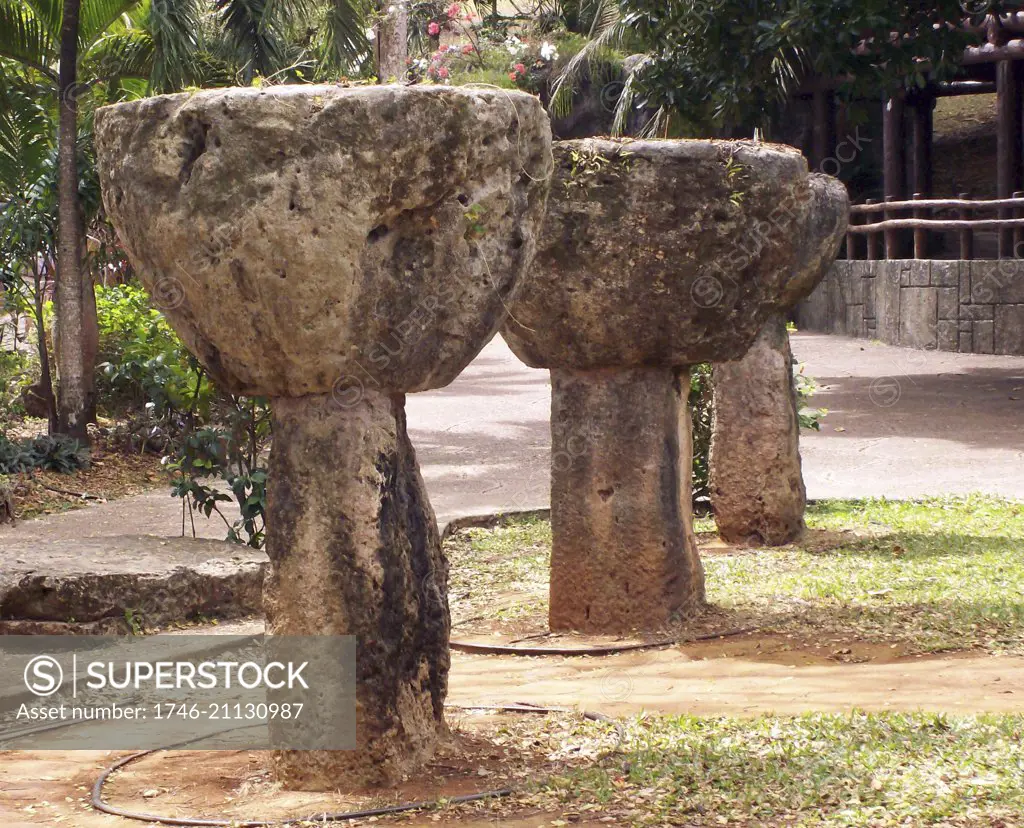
(624,554)
(757,489)
(355,551)
(641,270)
(308,258)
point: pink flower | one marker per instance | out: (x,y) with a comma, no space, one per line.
(433,30)
(520,68)
(467,49)
(442,72)
(513,76)
(453,11)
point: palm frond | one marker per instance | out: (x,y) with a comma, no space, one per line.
(608,30)
(289,12)
(625,104)
(125,54)
(25,38)
(97,16)
(344,32)
(49,13)
(26,135)
(173,27)
(253,36)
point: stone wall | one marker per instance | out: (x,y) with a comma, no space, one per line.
(970,307)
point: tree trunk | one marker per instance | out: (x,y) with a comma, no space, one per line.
(75,303)
(392,43)
(45,379)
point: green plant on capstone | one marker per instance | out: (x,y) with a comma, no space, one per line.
(586,165)
(736,175)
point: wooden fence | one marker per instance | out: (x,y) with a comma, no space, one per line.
(909,229)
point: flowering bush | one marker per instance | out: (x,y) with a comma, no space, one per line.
(451,19)
(533,62)
(439,65)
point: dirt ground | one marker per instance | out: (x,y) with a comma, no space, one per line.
(740,676)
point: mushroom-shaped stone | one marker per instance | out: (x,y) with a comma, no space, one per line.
(333,249)
(756,481)
(655,255)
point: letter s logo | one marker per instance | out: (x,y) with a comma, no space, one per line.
(43,675)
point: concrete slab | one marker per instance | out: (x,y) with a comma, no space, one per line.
(88,585)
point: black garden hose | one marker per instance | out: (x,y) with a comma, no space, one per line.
(602,650)
(343,816)
(339,816)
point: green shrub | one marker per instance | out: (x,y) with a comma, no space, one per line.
(700,416)
(56,453)
(15,374)
(142,364)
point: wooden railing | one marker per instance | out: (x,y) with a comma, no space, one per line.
(905,229)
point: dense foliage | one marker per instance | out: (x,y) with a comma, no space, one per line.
(731,64)
(211,440)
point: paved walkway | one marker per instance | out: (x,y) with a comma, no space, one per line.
(905,423)
(902,423)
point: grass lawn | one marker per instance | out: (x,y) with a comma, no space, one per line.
(828,770)
(933,575)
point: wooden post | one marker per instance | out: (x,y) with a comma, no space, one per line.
(1018,232)
(1008,142)
(920,235)
(893,237)
(966,236)
(871,238)
(823,129)
(924,107)
(894,165)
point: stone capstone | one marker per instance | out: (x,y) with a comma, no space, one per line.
(381,228)
(655,255)
(671,252)
(333,248)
